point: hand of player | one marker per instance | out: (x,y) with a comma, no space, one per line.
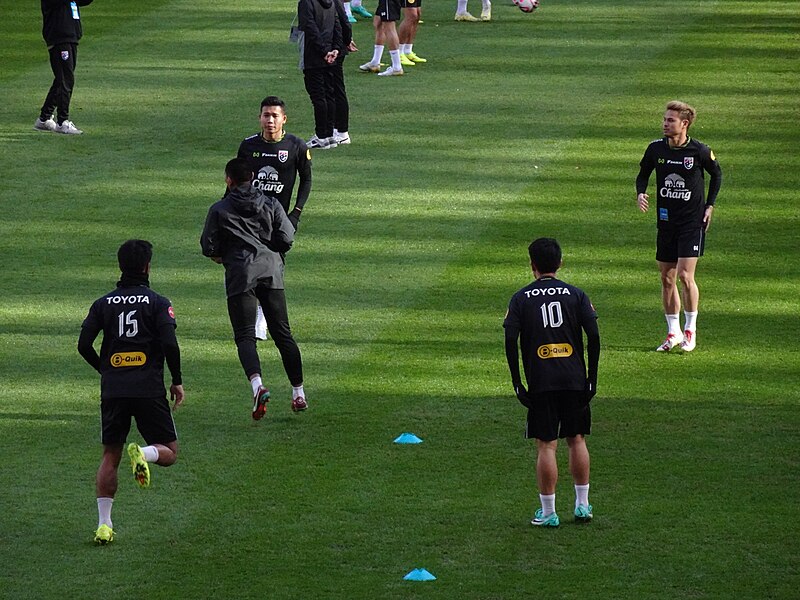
(642,200)
(216,259)
(352,46)
(591,390)
(707,217)
(294,217)
(522,395)
(176,395)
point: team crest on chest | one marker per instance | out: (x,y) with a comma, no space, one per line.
(688,161)
(283,155)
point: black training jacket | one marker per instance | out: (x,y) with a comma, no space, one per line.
(61,21)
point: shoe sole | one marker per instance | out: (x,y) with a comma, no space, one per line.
(583,519)
(297,409)
(260,408)
(141,471)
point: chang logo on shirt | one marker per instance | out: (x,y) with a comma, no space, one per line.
(675,188)
(554,351)
(268,181)
(128,359)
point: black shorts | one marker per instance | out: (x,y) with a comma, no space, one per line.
(684,243)
(558,414)
(410,3)
(153,420)
(388,10)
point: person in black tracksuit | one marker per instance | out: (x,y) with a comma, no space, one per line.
(138,327)
(322,43)
(61,30)
(247,232)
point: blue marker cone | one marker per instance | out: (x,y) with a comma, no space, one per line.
(407,438)
(420,575)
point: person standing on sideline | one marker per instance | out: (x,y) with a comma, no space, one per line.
(247,232)
(547,317)
(407,32)
(322,43)
(684,215)
(61,30)
(463,15)
(277,160)
(385,24)
(341,118)
(138,328)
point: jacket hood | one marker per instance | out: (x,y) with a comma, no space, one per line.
(246,200)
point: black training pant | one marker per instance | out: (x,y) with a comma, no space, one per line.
(341,120)
(63,59)
(319,85)
(242,310)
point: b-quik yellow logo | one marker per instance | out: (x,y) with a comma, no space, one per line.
(128,359)
(554,351)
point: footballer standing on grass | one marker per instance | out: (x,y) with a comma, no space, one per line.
(138,329)
(277,159)
(548,319)
(683,213)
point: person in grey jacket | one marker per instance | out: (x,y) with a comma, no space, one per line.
(61,30)
(247,232)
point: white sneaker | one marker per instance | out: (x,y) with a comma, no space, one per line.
(48,125)
(391,71)
(321,143)
(341,137)
(671,341)
(369,67)
(465,16)
(689,341)
(69,128)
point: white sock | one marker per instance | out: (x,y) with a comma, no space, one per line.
(462,7)
(297,392)
(486,4)
(403,48)
(356,3)
(256,383)
(548,504)
(104,511)
(581,495)
(395,54)
(673,324)
(377,55)
(347,10)
(409,48)
(150,453)
(691,320)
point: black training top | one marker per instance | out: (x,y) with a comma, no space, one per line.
(548,316)
(680,185)
(138,328)
(61,21)
(276,166)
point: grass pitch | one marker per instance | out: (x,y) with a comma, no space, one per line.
(414,240)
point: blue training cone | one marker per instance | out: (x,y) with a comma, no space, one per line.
(407,438)
(420,575)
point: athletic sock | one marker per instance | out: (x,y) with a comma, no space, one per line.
(691,320)
(377,54)
(297,392)
(581,495)
(347,10)
(395,54)
(409,48)
(356,3)
(486,4)
(150,453)
(462,7)
(256,383)
(673,324)
(404,49)
(548,504)
(104,511)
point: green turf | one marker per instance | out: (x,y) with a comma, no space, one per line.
(413,241)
